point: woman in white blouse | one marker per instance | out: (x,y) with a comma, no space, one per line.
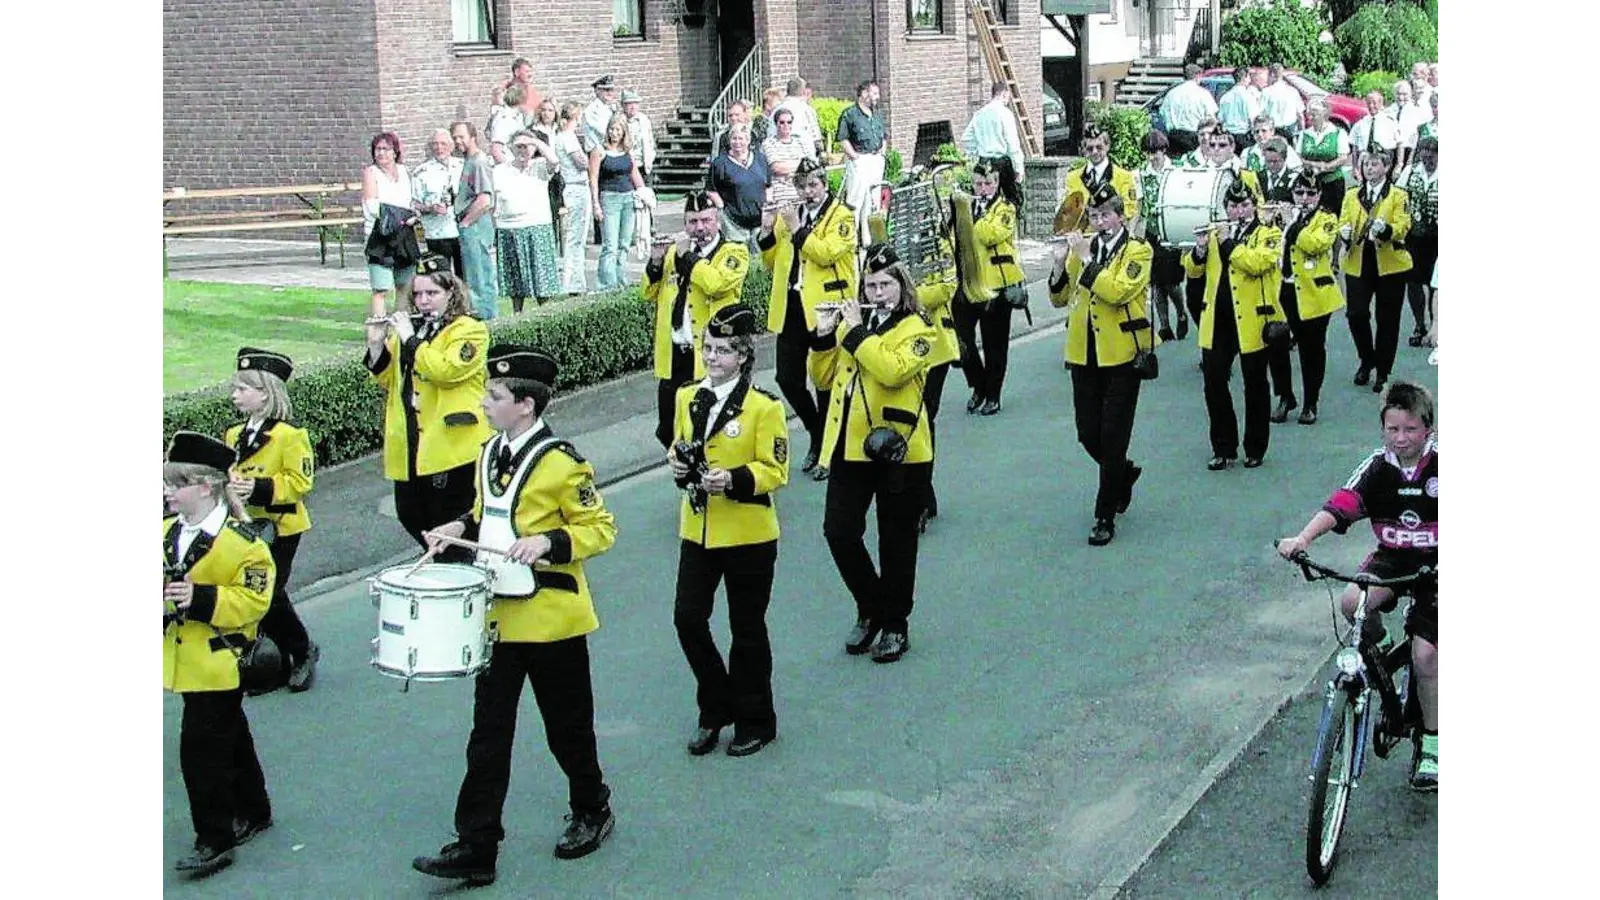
(524,230)
(575,197)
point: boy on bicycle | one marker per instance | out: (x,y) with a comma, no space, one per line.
(1397,487)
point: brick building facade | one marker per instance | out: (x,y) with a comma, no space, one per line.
(292,91)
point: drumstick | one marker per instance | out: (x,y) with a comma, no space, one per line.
(461,542)
(417,565)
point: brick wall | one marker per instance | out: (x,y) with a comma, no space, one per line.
(835,44)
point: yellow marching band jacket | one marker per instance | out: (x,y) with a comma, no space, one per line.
(280,459)
(877,375)
(935,293)
(1108,301)
(713,282)
(1254,276)
(999,266)
(826,254)
(1393,207)
(749,438)
(559,500)
(1072,215)
(233,577)
(1311,260)
(448,378)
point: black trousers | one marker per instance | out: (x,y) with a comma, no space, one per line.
(221,772)
(429,501)
(1390,292)
(1278,364)
(932,394)
(559,674)
(1194,297)
(1311,341)
(985,371)
(738,692)
(1103,404)
(282,623)
(883,595)
(1424,254)
(793,344)
(1216,367)
(667,392)
(449,248)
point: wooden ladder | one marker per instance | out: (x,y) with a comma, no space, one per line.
(994,51)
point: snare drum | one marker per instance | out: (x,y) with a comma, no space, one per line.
(431,623)
(1190,198)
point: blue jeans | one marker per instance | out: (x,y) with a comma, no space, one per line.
(579,221)
(483,280)
(617,224)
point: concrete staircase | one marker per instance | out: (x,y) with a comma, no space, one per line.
(681,154)
(1147,78)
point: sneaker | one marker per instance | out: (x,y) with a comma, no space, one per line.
(586,831)
(1425,777)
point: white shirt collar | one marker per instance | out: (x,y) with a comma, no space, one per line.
(716,239)
(723,391)
(1100,170)
(516,444)
(211,524)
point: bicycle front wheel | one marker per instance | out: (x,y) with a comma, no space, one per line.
(1332,779)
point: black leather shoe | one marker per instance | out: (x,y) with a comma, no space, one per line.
(206,860)
(820,473)
(305,671)
(1308,416)
(1183,328)
(746,746)
(1417,337)
(975,402)
(860,637)
(586,831)
(1379,384)
(1363,375)
(244,832)
(989,408)
(1252,462)
(704,741)
(1164,333)
(461,860)
(1286,405)
(811,460)
(890,647)
(1127,492)
(1218,463)
(1102,533)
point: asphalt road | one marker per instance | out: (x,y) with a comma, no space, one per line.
(1061,709)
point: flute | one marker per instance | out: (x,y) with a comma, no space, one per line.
(1213,226)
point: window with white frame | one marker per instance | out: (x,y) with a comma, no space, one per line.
(925,16)
(627,18)
(472,22)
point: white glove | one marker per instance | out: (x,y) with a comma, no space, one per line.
(1345,232)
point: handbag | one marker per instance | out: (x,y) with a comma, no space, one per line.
(1276,335)
(260,664)
(1145,362)
(883,444)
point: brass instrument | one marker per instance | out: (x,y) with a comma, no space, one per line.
(966,247)
(1071,216)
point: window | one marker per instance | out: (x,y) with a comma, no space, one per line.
(473,22)
(627,17)
(925,16)
(1005,12)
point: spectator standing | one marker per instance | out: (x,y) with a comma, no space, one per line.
(504,121)
(522,79)
(1283,103)
(1421,184)
(433,189)
(613,178)
(770,98)
(863,135)
(806,126)
(525,237)
(1411,116)
(738,114)
(1238,108)
(1421,88)
(737,182)
(597,115)
(641,135)
(1325,150)
(992,133)
(474,208)
(783,152)
(1254,158)
(1430,128)
(1183,109)
(575,199)
(385,182)
(546,122)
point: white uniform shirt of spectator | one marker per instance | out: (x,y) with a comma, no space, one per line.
(1186,105)
(1239,106)
(1410,117)
(1381,128)
(595,118)
(1284,104)
(993,133)
(522,196)
(642,138)
(431,181)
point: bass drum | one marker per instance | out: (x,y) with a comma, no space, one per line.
(1190,199)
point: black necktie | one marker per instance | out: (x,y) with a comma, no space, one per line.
(700,412)
(502,462)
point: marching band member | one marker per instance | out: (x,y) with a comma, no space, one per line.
(1240,263)
(699,275)
(873,354)
(1310,294)
(1102,282)
(994,233)
(1084,181)
(218,586)
(730,452)
(1375,223)
(810,249)
(1166,264)
(536,502)
(936,295)
(274,475)
(432,376)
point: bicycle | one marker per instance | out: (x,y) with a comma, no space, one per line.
(1362,671)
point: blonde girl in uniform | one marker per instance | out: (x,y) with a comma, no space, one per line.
(276,471)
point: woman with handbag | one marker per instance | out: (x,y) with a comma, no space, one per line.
(873,354)
(391,246)
(1104,283)
(275,472)
(984,313)
(1310,293)
(218,584)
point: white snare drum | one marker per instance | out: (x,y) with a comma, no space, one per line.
(1190,198)
(511,579)
(431,623)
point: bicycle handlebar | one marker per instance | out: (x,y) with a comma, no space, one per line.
(1314,571)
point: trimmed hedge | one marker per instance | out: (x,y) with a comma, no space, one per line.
(594,339)
(1367,82)
(1127,127)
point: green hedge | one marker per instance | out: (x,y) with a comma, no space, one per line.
(1127,126)
(1365,83)
(594,339)
(1285,32)
(1381,38)
(828,110)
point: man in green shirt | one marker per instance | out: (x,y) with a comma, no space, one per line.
(863,136)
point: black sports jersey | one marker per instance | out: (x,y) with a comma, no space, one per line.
(1404,511)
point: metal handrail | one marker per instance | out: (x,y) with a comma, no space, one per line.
(744,85)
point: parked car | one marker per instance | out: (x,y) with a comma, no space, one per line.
(1343,111)
(1057,134)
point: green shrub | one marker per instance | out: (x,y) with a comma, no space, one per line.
(836,182)
(1365,83)
(1284,32)
(893,166)
(1387,38)
(1127,126)
(594,340)
(829,109)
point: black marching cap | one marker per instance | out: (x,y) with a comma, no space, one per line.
(1238,192)
(511,361)
(253,359)
(1103,195)
(200,449)
(733,320)
(880,257)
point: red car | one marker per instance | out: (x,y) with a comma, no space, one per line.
(1342,111)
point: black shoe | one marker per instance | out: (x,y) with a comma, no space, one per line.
(811,460)
(1164,333)
(1363,374)
(206,860)
(1308,416)
(1379,384)
(1102,533)
(820,473)
(1183,328)
(746,746)
(975,402)
(1417,337)
(860,637)
(1127,492)
(460,860)
(585,833)
(989,408)
(244,832)
(890,647)
(305,671)
(1218,463)
(704,741)
(1252,462)
(1286,405)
